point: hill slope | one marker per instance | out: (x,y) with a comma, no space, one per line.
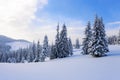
(77,67)
(13,43)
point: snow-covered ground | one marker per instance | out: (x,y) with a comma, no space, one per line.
(77,67)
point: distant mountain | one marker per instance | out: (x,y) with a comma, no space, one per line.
(4,39)
(13,43)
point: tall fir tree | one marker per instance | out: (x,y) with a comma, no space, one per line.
(103,36)
(87,39)
(56,47)
(98,43)
(63,43)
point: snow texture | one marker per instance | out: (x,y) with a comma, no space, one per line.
(78,67)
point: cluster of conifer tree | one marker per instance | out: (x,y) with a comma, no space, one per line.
(34,53)
(114,40)
(63,45)
(38,53)
(95,41)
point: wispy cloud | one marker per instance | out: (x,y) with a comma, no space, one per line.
(16,15)
(113,23)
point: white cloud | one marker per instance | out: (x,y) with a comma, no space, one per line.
(17,21)
(16,16)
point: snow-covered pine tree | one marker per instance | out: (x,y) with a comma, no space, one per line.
(112,40)
(23,57)
(103,36)
(53,52)
(70,47)
(4,57)
(77,45)
(55,48)
(57,40)
(28,57)
(63,43)
(87,39)
(32,54)
(45,49)
(19,56)
(34,50)
(0,56)
(12,58)
(119,37)
(98,43)
(39,50)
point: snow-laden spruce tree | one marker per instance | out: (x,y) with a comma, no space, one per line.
(87,39)
(70,47)
(57,40)
(63,43)
(34,50)
(104,37)
(12,57)
(53,52)
(39,50)
(55,48)
(45,49)
(98,42)
(30,55)
(4,57)
(118,40)
(77,45)
(19,56)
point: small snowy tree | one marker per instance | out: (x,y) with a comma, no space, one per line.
(98,43)
(23,57)
(39,50)
(12,57)
(18,58)
(77,45)
(70,47)
(4,57)
(119,37)
(34,51)
(87,39)
(53,52)
(45,50)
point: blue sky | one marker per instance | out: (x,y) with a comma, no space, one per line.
(84,9)
(33,19)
